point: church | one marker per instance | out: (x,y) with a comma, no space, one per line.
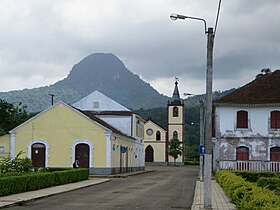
(157,138)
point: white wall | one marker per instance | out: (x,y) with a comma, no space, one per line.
(258,121)
(123,123)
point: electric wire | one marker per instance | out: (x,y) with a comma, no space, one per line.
(217,17)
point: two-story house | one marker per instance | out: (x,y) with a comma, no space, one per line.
(247,126)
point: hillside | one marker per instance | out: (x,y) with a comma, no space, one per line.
(99,71)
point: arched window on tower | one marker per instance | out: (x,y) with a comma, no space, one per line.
(175,111)
(158,136)
(175,135)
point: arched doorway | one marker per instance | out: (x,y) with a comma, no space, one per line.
(38,155)
(82,154)
(149,154)
(242,157)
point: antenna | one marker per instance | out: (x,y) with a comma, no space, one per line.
(52,95)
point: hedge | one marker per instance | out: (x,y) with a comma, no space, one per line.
(272,183)
(246,195)
(39,180)
(253,176)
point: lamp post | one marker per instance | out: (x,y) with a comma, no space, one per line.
(208,109)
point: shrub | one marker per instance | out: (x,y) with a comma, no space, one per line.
(246,195)
(16,164)
(73,175)
(37,180)
(253,176)
(191,162)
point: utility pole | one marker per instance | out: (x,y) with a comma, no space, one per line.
(202,124)
(208,121)
(208,108)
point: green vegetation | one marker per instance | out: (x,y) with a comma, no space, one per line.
(15,165)
(253,176)
(17,175)
(39,180)
(245,194)
(11,116)
(175,149)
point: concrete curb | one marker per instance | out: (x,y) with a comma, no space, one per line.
(124,175)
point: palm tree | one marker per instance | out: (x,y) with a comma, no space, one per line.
(175,149)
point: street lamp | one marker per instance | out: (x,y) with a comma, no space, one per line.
(208,109)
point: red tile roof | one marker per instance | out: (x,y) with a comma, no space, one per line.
(264,89)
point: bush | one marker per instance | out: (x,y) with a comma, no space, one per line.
(16,164)
(73,175)
(253,176)
(272,183)
(245,194)
(39,180)
(191,162)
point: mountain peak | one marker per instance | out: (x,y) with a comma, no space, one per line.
(104,72)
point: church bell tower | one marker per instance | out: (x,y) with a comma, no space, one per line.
(176,122)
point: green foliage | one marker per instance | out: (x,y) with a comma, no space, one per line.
(68,176)
(39,180)
(271,183)
(245,194)
(15,165)
(191,162)
(11,116)
(175,149)
(253,176)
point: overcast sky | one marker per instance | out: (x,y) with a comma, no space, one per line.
(41,40)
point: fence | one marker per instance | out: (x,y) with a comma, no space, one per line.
(250,165)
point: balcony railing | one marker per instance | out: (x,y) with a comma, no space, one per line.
(250,165)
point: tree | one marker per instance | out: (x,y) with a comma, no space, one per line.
(175,149)
(11,116)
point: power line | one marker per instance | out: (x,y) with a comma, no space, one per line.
(217,17)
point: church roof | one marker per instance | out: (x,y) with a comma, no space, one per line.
(265,89)
(176,95)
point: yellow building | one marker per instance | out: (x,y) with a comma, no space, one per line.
(157,139)
(61,134)
(155,142)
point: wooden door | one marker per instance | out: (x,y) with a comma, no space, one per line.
(38,155)
(82,155)
(149,154)
(275,158)
(242,157)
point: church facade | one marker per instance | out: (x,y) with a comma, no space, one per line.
(157,139)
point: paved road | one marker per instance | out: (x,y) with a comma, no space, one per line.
(165,188)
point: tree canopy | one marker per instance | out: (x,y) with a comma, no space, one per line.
(175,149)
(11,116)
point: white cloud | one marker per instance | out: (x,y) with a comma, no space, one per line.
(41,40)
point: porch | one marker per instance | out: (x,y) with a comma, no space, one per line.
(250,165)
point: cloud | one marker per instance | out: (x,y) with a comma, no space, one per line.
(42,40)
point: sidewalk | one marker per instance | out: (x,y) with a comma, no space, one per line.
(219,199)
(17,199)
